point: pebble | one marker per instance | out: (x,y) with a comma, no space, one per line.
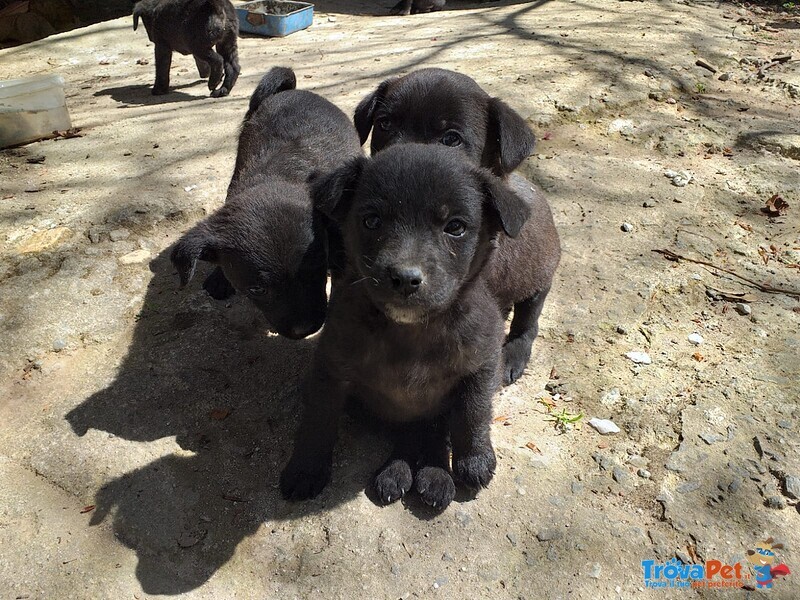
(577,488)
(59,345)
(743,309)
(638,461)
(724,77)
(620,475)
(689,486)
(784,424)
(791,486)
(447,557)
(695,338)
(683,557)
(596,570)
(118,235)
(546,535)
(776,502)
(640,358)
(521,491)
(708,438)
(440,581)
(137,256)
(621,126)
(94,236)
(621,330)
(512,538)
(626,227)
(679,178)
(671,101)
(604,426)
(643,473)
(611,397)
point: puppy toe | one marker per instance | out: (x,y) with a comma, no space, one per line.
(393,481)
(516,354)
(475,470)
(302,480)
(219,93)
(218,286)
(435,486)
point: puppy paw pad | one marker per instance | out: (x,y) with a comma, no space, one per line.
(435,486)
(393,481)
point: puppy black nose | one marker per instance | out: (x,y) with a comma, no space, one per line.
(406,280)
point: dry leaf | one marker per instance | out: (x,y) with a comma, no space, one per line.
(776,206)
(744,226)
(500,419)
(68,133)
(218,414)
(534,447)
(553,374)
(87,509)
(548,402)
(698,357)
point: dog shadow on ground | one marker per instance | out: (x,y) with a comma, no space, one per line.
(141,95)
(207,374)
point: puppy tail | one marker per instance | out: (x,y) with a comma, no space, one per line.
(277,79)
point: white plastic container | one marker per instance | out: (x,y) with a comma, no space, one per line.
(31,109)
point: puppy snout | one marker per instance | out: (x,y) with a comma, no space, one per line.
(405,279)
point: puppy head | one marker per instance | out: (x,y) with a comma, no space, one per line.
(273,254)
(436,106)
(418,224)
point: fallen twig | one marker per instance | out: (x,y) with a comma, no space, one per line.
(670,255)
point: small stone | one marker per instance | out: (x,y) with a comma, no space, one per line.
(648,204)
(596,570)
(576,487)
(47,239)
(734,485)
(620,475)
(724,77)
(683,557)
(689,486)
(640,358)
(791,486)
(512,538)
(94,235)
(679,178)
(743,309)
(59,345)
(784,424)
(135,257)
(440,581)
(521,491)
(776,502)
(546,535)
(621,330)
(551,554)
(621,126)
(33,188)
(604,426)
(695,338)
(708,438)
(626,227)
(118,235)
(331,19)
(671,101)
(447,557)
(603,461)
(611,397)
(643,473)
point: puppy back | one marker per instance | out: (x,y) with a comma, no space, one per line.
(276,80)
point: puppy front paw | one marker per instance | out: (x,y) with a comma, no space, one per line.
(516,354)
(303,479)
(159,91)
(220,92)
(435,486)
(475,470)
(393,481)
(218,286)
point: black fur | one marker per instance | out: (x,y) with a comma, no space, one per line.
(413,330)
(414,7)
(266,240)
(193,27)
(435,106)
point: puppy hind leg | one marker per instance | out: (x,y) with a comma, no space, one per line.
(203,68)
(402,8)
(218,286)
(228,50)
(216,67)
(163,55)
(524,329)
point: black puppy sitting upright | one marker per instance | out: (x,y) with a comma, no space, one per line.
(436,106)
(267,241)
(193,27)
(413,330)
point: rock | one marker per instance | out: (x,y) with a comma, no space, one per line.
(638,461)
(439,582)
(447,557)
(621,330)
(135,257)
(604,426)
(604,462)
(640,358)
(626,227)
(596,570)
(671,101)
(546,535)
(784,424)
(611,397)
(708,438)
(620,475)
(94,235)
(118,235)
(45,240)
(695,338)
(724,76)
(743,309)
(621,126)
(59,345)
(689,486)
(512,538)
(791,486)
(643,473)
(576,487)
(683,557)
(679,178)
(776,502)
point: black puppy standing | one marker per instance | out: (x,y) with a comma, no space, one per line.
(413,331)
(436,106)
(266,240)
(193,27)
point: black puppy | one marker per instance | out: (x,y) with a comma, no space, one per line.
(193,27)
(413,331)
(414,7)
(267,241)
(435,106)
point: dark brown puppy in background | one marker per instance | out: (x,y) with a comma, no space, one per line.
(436,106)
(415,7)
(193,27)
(413,330)
(267,241)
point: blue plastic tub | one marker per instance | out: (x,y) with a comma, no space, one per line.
(274,18)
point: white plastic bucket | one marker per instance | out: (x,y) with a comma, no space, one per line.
(31,109)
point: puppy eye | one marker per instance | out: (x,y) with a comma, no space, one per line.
(256,290)
(372,222)
(384,124)
(451,138)
(456,228)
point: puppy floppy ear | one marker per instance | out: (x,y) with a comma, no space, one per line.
(362,117)
(508,207)
(509,139)
(196,244)
(333,192)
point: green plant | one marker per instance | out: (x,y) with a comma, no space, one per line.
(701,87)
(564,421)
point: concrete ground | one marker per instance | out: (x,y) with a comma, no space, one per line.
(143,428)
